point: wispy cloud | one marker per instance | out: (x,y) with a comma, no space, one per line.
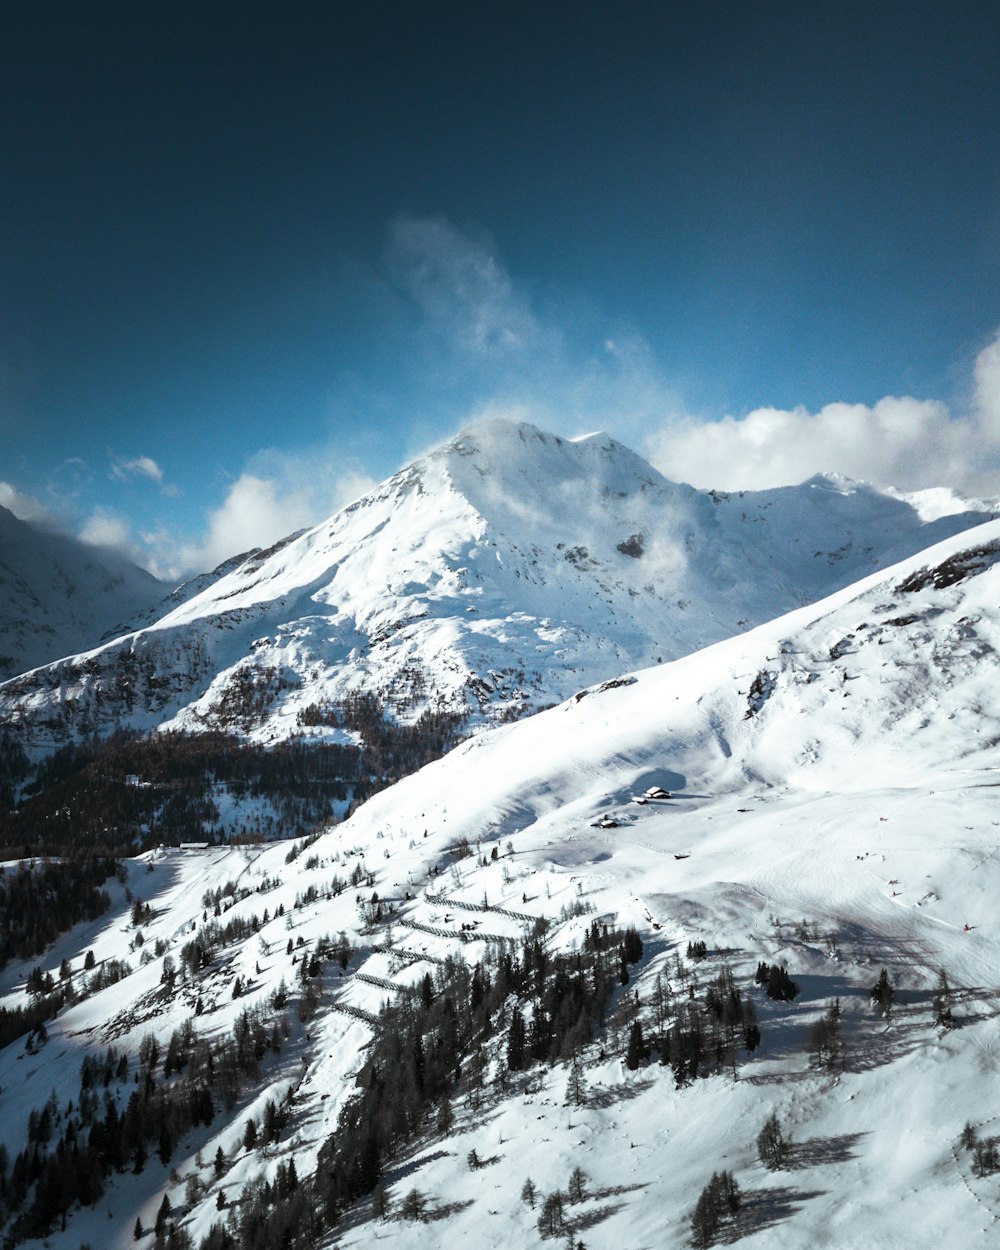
(553,359)
(122,469)
(126,470)
(461,288)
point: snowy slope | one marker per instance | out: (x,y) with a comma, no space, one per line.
(60,596)
(499,573)
(833,776)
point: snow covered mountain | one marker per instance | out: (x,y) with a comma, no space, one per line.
(60,596)
(499,573)
(830,782)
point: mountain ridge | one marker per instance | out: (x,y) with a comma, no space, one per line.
(827,806)
(60,593)
(498,573)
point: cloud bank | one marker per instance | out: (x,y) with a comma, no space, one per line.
(277,495)
(900,442)
(480,343)
(567,369)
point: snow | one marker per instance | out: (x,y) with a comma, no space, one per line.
(499,573)
(858,796)
(59,595)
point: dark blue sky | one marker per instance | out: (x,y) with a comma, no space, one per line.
(301,241)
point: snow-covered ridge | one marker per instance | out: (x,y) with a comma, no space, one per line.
(832,776)
(499,573)
(59,595)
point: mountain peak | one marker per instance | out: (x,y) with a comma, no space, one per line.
(505,569)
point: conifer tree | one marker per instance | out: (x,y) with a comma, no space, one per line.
(942,1002)
(380,1202)
(636,1051)
(576,1086)
(414,1205)
(529,1193)
(162,1215)
(772,1144)
(882,995)
(516,1038)
(704,1221)
(551,1219)
(751,1029)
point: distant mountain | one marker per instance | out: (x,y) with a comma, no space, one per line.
(499,573)
(59,596)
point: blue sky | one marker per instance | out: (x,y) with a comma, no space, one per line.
(257,255)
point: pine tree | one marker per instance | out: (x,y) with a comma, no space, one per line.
(942,1002)
(823,1041)
(780,985)
(380,1202)
(138,1231)
(636,1051)
(529,1193)
(882,994)
(751,1029)
(772,1144)
(550,1219)
(719,1200)
(968,1138)
(414,1205)
(576,1086)
(445,1117)
(577,1188)
(516,1039)
(162,1216)
(704,1221)
(985,1157)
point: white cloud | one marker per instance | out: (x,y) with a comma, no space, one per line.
(254,514)
(273,498)
(567,368)
(104,528)
(25,507)
(140,466)
(123,470)
(900,441)
(347,487)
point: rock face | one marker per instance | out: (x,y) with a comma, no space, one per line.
(499,573)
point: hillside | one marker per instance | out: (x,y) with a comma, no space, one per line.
(495,575)
(831,809)
(60,596)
